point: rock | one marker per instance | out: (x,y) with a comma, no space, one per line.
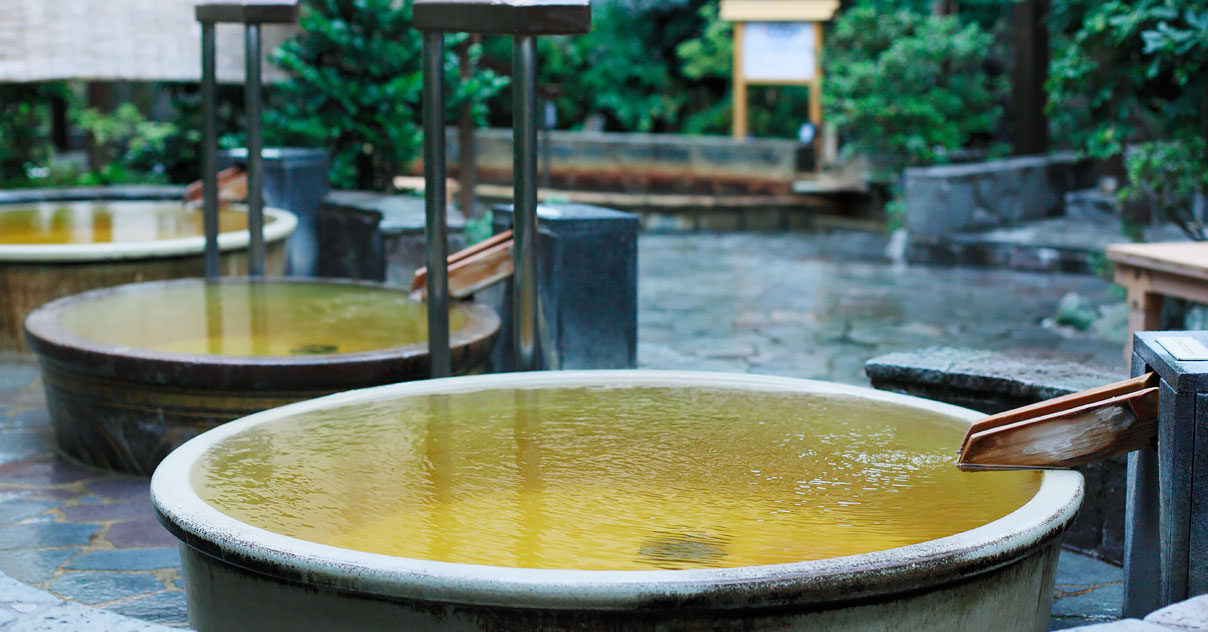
(1188,615)
(1076,311)
(1123,625)
(1112,323)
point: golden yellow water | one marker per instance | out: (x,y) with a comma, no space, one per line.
(103,222)
(254,318)
(609,479)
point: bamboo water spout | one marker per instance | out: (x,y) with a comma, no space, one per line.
(1066,431)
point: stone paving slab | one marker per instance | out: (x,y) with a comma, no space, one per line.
(26,609)
(1191,614)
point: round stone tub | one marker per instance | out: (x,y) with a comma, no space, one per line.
(58,242)
(995,576)
(133,371)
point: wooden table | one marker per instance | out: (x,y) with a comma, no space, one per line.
(1151,272)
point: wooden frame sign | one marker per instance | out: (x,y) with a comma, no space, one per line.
(779,43)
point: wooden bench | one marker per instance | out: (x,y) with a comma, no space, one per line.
(1151,272)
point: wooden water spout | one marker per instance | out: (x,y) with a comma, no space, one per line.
(472,269)
(1066,431)
(232,187)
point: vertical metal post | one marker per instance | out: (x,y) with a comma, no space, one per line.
(524,138)
(434,202)
(209,149)
(255,147)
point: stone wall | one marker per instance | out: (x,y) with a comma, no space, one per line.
(671,163)
(947,199)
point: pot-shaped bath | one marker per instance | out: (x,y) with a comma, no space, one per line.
(61,242)
(609,500)
(133,371)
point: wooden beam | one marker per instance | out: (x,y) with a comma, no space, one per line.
(778,10)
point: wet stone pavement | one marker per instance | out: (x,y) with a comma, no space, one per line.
(801,305)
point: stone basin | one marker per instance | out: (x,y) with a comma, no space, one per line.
(133,371)
(248,567)
(71,242)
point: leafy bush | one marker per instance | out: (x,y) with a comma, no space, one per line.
(1129,72)
(621,75)
(138,144)
(1135,74)
(25,135)
(707,61)
(1169,176)
(907,88)
(356,88)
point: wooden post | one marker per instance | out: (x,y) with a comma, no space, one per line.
(816,99)
(1028,97)
(816,84)
(99,95)
(739,100)
(467,167)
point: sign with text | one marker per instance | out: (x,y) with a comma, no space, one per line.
(778,51)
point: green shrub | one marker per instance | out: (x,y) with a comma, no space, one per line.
(907,88)
(1127,72)
(1168,176)
(356,87)
(622,74)
(1132,78)
(707,61)
(25,134)
(138,145)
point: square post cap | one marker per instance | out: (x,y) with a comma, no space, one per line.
(504,17)
(248,11)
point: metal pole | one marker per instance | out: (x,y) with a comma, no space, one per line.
(524,137)
(255,159)
(209,149)
(434,202)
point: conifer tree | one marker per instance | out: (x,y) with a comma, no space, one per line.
(356,86)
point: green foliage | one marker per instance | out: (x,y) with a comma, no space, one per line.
(907,88)
(626,79)
(356,87)
(1125,72)
(1168,176)
(138,144)
(25,141)
(1132,78)
(479,228)
(178,157)
(707,62)
(623,72)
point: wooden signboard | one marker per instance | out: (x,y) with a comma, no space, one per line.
(778,43)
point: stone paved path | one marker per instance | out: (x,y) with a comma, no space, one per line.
(820,306)
(808,306)
(83,534)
